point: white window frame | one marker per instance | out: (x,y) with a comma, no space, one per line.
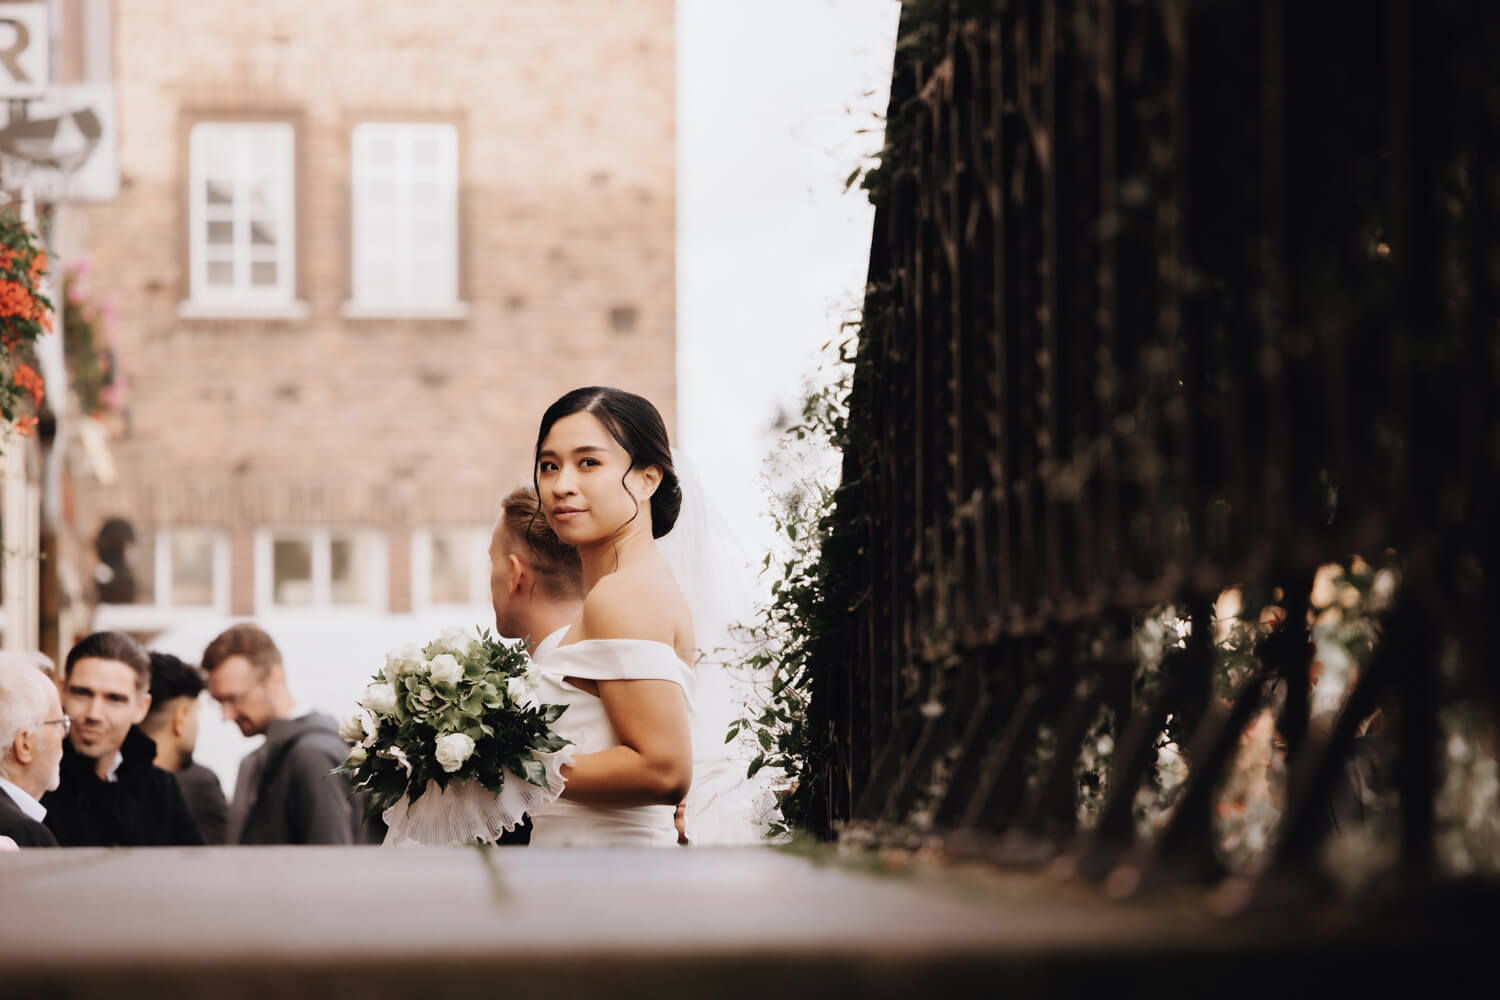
(406,297)
(278,300)
(421,568)
(320,540)
(152,613)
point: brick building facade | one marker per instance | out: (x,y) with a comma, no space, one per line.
(358,247)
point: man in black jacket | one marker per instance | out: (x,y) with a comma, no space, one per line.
(283,793)
(172,723)
(111,792)
(32,731)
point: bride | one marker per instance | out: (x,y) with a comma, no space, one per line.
(605,478)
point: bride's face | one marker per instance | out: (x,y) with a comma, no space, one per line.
(582,475)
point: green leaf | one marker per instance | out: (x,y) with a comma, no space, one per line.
(534,771)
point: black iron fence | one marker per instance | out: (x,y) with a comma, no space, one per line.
(1167,297)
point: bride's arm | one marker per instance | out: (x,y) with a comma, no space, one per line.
(653,765)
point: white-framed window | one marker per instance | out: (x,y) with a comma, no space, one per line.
(242,215)
(177,568)
(404,238)
(450,567)
(319,569)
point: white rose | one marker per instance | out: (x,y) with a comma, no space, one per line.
(456,639)
(453,750)
(352,727)
(518,689)
(359,727)
(357,755)
(402,661)
(380,699)
(444,669)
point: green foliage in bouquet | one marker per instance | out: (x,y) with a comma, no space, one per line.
(457,709)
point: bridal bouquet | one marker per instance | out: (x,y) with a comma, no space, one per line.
(449,743)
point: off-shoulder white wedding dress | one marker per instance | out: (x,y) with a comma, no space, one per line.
(563,823)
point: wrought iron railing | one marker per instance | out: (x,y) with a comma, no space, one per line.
(1166,298)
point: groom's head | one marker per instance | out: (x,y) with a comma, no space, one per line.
(532,572)
(246,678)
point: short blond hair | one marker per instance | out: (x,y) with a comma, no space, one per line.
(555,563)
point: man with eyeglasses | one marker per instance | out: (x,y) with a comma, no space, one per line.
(284,793)
(112,794)
(32,730)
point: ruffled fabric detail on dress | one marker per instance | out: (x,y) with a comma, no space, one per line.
(466,812)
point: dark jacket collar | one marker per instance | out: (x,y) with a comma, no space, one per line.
(138,751)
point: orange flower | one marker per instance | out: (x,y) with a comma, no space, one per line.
(19,304)
(27,378)
(16,300)
(25,426)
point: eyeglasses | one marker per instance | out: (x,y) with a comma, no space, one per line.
(236,700)
(66,722)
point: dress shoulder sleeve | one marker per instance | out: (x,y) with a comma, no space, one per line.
(620,660)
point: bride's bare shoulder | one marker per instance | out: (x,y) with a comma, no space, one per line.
(630,605)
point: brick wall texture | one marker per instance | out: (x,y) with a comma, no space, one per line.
(565,112)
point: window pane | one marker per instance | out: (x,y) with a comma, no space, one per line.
(382,151)
(291,571)
(429,233)
(267,151)
(246,172)
(405,205)
(263,198)
(377,198)
(385,280)
(216,145)
(424,152)
(351,567)
(449,580)
(192,556)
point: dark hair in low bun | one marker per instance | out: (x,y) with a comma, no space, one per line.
(638,428)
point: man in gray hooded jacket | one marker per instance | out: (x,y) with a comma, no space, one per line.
(284,793)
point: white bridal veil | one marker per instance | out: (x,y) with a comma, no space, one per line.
(717,579)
